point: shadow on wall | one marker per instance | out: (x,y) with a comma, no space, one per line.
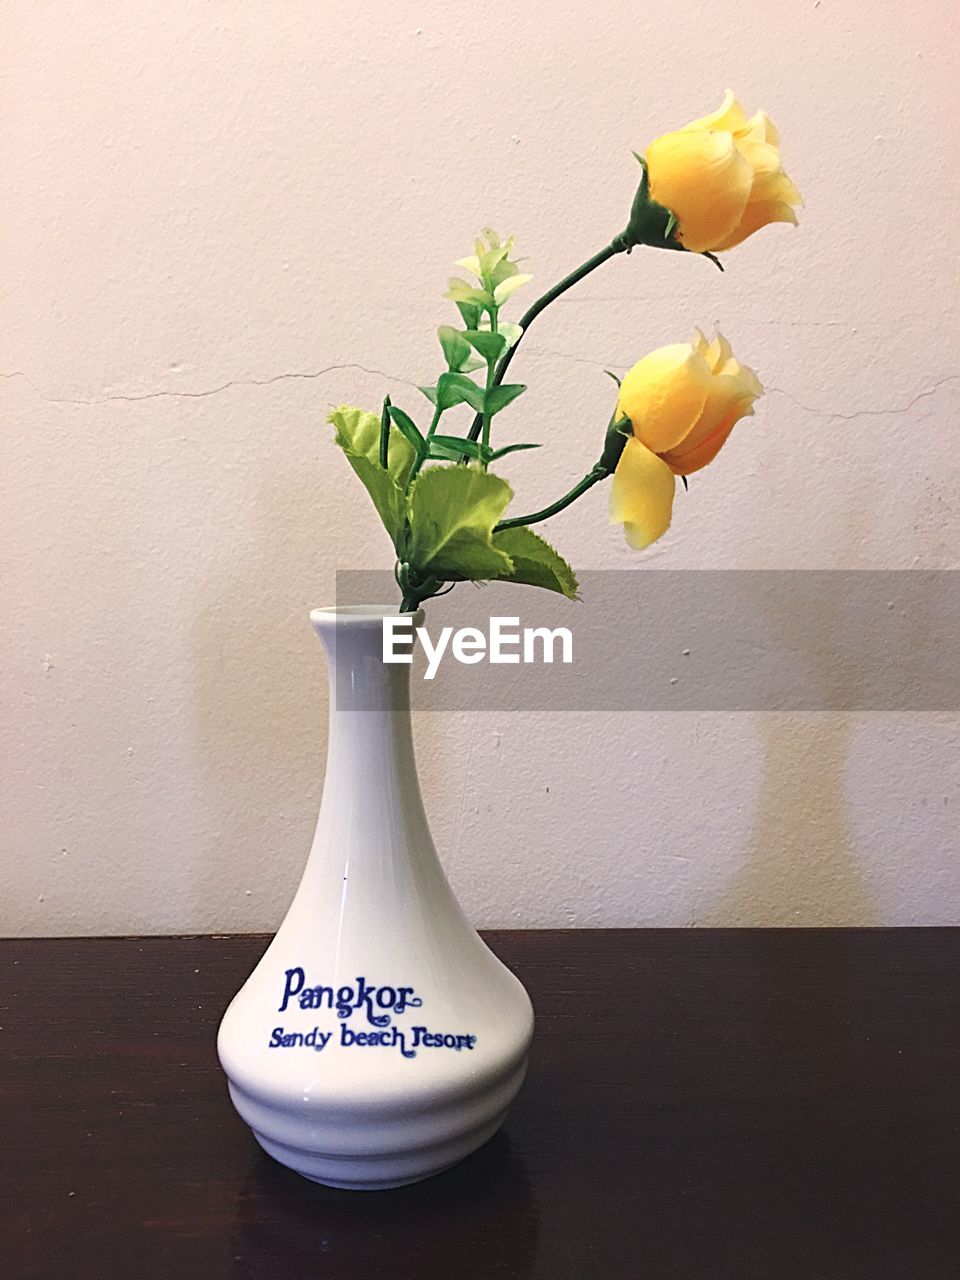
(800,866)
(261,704)
(259,711)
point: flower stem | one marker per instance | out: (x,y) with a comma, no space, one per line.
(616,246)
(596,473)
(491,376)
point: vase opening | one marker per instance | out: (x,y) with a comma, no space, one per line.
(374,614)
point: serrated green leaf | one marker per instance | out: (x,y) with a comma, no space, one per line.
(510,448)
(452,512)
(407,425)
(535,562)
(358,435)
(490,345)
(456,349)
(498,398)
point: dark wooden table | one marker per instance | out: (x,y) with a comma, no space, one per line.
(700,1105)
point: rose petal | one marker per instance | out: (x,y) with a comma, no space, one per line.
(748,380)
(641,495)
(718,352)
(703,179)
(729,115)
(725,406)
(664,394)
(776,187)
(761,127)
(754,217)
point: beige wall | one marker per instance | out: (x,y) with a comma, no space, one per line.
(222,218)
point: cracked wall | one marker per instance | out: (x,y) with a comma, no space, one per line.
(219,226)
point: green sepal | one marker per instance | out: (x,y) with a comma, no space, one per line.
(358,435)
(618,433)
(452,512)
(535,562)
(650,223)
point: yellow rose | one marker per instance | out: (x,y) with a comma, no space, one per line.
(721,178)
(683,401)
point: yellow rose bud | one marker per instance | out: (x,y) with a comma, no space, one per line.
(721,177)
(682,401)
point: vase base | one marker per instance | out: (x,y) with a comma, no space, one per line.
(379,1172)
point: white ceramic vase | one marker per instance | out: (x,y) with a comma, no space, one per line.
(379,1040)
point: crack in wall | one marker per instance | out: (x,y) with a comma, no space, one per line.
(211,391)
(829,414)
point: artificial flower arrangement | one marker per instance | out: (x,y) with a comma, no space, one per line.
(703,189)
(379,1040)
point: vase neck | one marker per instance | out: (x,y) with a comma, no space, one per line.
(371,770)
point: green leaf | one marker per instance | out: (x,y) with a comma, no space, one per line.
(452,513)
(507,329)
(535,562)
(451,448)
(498,398)
(456,349)
(463,388)
(461,291)
(470,314)
(508,287)
(358,435)
(510,448)
(430,393)
(501,271)
(490,345)
(407,425)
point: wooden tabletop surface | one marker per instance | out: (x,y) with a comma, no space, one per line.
(701,1105)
